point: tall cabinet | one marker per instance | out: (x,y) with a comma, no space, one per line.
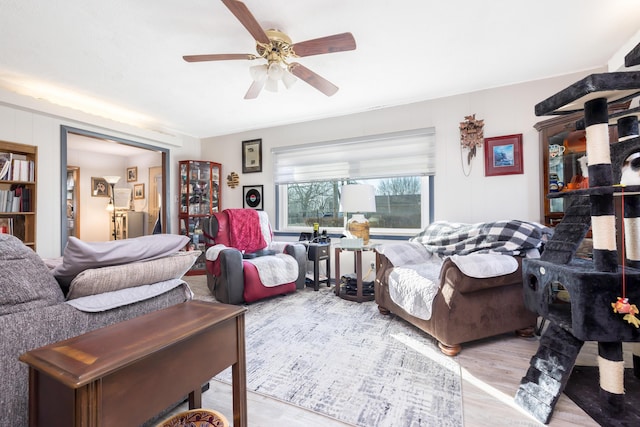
(563,153)
(199,199)
(18,163)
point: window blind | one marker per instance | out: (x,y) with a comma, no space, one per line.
(407,153)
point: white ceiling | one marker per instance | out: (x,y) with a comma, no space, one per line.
(128,54)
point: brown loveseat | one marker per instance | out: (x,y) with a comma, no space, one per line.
(463,308)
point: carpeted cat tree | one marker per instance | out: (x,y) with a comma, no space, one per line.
(603,293)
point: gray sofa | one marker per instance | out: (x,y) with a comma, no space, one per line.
(34,312)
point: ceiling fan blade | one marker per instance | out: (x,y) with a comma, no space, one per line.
(320,83)
(218,57)
(245,17)
(329,44)
(254,89)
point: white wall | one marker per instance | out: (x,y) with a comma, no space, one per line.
(27,121)
(476,198)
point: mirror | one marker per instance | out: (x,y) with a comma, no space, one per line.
(98,155)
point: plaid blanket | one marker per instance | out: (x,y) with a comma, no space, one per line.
(507,237)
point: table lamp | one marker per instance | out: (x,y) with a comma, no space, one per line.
(357,199)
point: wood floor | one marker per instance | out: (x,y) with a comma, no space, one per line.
(491,371)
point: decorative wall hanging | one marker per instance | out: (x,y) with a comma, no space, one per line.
(138,191)
(503,155)
(132,174)
(471,135)
(99,187)
(233,180)
(252,156)
(252,196)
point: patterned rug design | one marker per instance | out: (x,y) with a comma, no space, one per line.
(347,361)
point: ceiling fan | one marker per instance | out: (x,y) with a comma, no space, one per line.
(276,47)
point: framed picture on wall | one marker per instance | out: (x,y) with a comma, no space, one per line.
(138,191)
(252,156)
(99,187)
(252,197)
(503,155)
(132,174)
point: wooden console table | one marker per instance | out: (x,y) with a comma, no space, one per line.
(127,373)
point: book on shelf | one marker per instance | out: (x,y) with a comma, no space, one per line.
(22,168)
(15,199)
(5,166)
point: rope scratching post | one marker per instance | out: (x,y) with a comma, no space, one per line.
(603,220)
(603,225)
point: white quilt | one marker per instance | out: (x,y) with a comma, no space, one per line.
(414,286)
(275,270)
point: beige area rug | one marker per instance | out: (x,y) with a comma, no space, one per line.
(345,360)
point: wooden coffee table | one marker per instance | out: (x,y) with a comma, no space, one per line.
(127,373)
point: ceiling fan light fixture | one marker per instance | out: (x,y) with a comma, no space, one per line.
(271,85)
(258,72)
(275,71)
(288,79)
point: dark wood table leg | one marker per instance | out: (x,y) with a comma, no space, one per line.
(316,272)
(239,378)
(337,263)
(358,258)
(195,398)
(328,269)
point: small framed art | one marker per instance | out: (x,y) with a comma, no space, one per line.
(252,197)
(252,156)
(138,191)
(503,155)
(99,187)
(132,174)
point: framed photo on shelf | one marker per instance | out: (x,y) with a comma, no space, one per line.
(252,156)
(503,155)
(252,197)
(99,187)
(132,174)
(138,191)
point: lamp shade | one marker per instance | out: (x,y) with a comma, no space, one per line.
(357,198)
(112,179)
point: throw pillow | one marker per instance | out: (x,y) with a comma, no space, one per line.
(26,283)
(107,279)
(110,300)
(79,256)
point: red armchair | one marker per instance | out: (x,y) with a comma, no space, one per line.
(244,264)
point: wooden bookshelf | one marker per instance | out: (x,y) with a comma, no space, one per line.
(18,191)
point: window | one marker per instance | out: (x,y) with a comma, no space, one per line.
(400,166)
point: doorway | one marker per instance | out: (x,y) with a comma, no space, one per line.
(97,141)
(73,201)
(154,219)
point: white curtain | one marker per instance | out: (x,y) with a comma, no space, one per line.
(407,153)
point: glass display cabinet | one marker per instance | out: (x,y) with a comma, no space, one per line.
(564,162)
(199,198)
